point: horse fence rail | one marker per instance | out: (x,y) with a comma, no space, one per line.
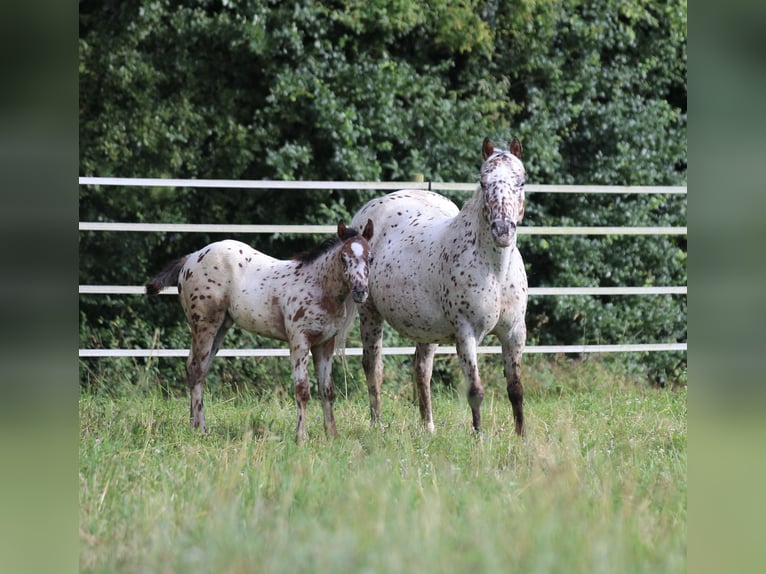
(533,291)
(329,229)
(373,185)
(96,226)
(357,351)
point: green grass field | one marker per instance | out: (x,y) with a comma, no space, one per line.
(599,484)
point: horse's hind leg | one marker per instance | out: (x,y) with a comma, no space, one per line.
(371,330)
(207,336)
(322,355)
(424,365)
(513,348)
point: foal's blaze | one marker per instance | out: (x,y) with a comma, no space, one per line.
(355,254)
(444,275)
(308,301)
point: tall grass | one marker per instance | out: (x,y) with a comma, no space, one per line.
(599,484)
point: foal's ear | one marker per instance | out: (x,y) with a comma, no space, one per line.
(342,229)
(516,147)
(487,149)
(368,230)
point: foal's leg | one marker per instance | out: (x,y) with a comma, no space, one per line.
(513,348)
(371,330)
(207,336)
(424,365)
(299,356)
(466,351)
(322,355)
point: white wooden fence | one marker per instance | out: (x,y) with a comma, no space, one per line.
(329,229)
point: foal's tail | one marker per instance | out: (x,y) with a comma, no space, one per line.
(166,277)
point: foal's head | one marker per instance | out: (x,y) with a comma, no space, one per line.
(356,256)
(502,185)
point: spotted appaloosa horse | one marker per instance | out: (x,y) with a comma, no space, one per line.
(443,275)
(308,301)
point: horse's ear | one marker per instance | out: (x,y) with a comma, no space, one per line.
(516,147)
(341,229)
(487,149)
(368,230)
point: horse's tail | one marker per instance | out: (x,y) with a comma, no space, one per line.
(166,277)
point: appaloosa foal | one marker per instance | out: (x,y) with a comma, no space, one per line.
(308,301)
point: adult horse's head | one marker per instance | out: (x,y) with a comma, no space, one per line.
(356,256)
(502,184)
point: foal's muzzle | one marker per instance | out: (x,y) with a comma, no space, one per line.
(503,232)
(359,294)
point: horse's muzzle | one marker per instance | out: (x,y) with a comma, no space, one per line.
(359,295)
(503,232)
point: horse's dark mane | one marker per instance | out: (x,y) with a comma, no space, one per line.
(315,253)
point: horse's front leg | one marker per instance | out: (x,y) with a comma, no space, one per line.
(513,347)
(371,330)
(465,344)
(322,355)
(424,365)
(299,356)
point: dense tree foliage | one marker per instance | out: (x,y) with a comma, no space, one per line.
(382,90)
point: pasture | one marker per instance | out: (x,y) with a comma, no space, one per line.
(598,485)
